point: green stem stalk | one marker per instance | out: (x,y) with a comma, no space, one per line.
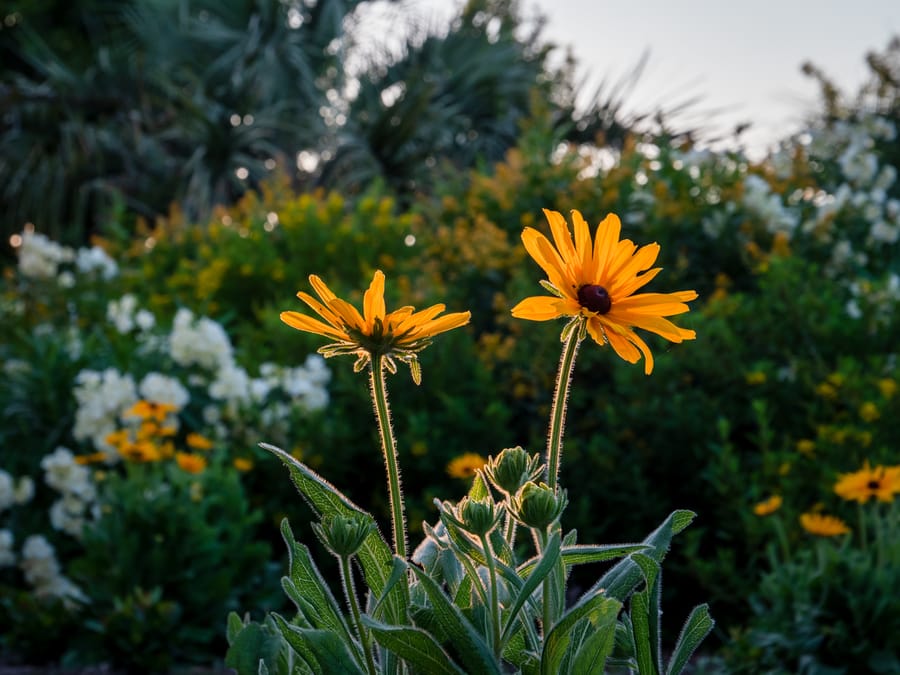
(560,397)
(350,591)
(546,590)
(389,449)
(495,602)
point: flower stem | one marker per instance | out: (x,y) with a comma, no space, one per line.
(560,396)
(495,602)
(350,591)
(389,449)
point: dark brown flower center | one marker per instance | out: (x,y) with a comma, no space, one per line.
(594,298)
(873,485)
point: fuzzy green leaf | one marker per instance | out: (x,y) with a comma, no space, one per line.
(620,581)
(328,650)
(596,647)
(694,631)
(597,609)
(471,647)
(416,647)
(543,568)
(375,556)
(580,555)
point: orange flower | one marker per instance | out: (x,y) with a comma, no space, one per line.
(768,506)
(190,462)
(150,410)
(198,442)
(93,458)
(400,334)
(823,526)
(595,282)
(243,464)
(140,451)
(880,483)
(465,465)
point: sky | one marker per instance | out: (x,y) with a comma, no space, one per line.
(742,58)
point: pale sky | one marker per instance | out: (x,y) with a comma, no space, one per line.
(741,57)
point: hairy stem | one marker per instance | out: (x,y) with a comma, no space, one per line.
(350,591)
(560,397)
(389,449)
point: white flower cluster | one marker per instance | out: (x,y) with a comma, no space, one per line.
(125,315)
(101,397)
(41,258)
(69,513)
(95,259)
(306,384)
(201,342)
(161,388)
(14,492)
(42,571)
(768,206)
(880,298)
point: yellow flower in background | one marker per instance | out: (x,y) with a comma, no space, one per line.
(597,280)
(150,410)
(826,390)
(880,483)
(243,464)
(190,462)
(197,441)
(806,447)
(140,451)
(755,377)
(465,465)
(768,506)
(887,387)
(868,411)
(822,525)
(376,332)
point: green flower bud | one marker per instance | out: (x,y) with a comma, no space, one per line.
(477,516)
(343,535)
(537,506)
(511,469)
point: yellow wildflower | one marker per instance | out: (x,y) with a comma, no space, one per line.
(880,483)
(768,506)
(400,334)
(868,411)
(806,447)
(822,525)
(465,465)
(755,377)
(596,280)
(243,464)
(197,441)
(93,458)
(190,462)
(150,410)
(887,387)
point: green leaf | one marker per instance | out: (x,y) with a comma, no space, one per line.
(416,647)
(543,568)
(375,556)
(479,489)
(597,609)
(695,629)
(251,645)
(323,651)
(579,555)
(234,626)
(311,592)
(471,647)
(640,619)
(620,581)
(596,647)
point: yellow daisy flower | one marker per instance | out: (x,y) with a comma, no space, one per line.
(596,282)
(881,483)
(243,464)
(198,441)
(150,410)
(400,334)
(465,465)
(823,526)
(768,506)
(190,462)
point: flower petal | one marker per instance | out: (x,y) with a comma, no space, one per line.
(541,308)
(320,309)
(540,248)
(605,241)
(321,288)
(349,314)
(310,325)
(373,301)
(561,236)
(639,262)
(583,247)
